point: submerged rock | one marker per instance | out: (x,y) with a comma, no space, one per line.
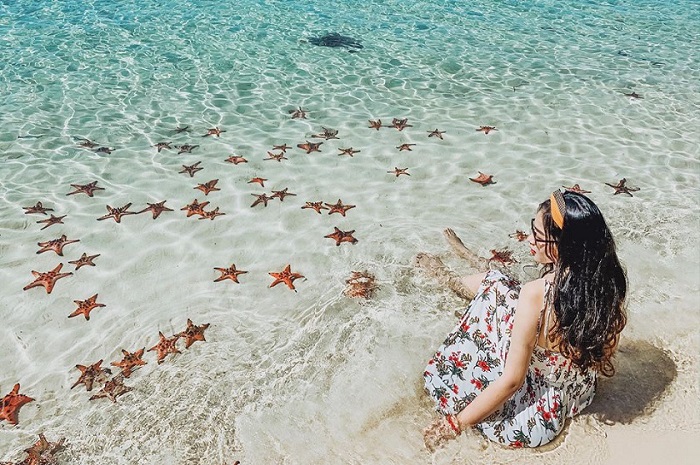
(334,39)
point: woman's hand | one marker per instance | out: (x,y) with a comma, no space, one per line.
(440,431)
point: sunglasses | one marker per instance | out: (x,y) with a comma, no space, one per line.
(536,232)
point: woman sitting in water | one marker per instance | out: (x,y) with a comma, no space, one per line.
(523,359)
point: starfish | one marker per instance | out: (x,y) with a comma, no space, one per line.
(42,452)
(273,156)
(338,207)
(112,389)
(117,213)
(298,113)
(213,132)
(576,188)
(38,208)
(404,147)
(191,169)
(504,256)
(106,150)
(519,235)
(399,171)
(327,134)
(360,284)
(181,129)
(162,145)
(229,273)
(84,260)
(260,181)
(317,206)
(193,333)
(91,373)
(211,214)
(281,194)
(310,146)
(208,187)
(11,403)
(165,346)
(56,245)
(85,307)
(156,209)
(88,189)
(486,129)
(51,221)
(130,361)
(341,236)
(236,159)
(195,208)
(48,279)
(436,133)
(633,95)
(348,151)
(186,148)
(283,147)
(483,179)
(400,124)
(262,198)
(620,187)
(375,124)
(285,276)
(87,143)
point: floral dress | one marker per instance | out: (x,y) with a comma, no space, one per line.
(473,356)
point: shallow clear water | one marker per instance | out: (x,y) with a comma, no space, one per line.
(312,376)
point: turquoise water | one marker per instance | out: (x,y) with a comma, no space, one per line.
(312,376)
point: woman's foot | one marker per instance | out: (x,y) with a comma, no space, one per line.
(460,249)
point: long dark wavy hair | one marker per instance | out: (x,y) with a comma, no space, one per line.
(589,286)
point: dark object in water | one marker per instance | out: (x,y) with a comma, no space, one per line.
(336,40)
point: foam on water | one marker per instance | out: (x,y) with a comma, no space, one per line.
(313,377)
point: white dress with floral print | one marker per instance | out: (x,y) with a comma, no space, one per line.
(473,356)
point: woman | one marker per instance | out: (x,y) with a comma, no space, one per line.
(522,359)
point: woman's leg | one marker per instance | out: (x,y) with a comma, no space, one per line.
(476,262)
(464,287)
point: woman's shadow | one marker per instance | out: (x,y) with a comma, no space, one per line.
(643,372)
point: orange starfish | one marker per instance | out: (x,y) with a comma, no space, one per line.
(281,194)
(338,207)
(276,156)
(404,147)
(327,134)
(193,333)
(191,169)
(56,245)
(576,188)
(310,146)
(162,145)
(112,389)
(208,187)
(504,256)
(91,373)
(235,159)
(213,132)
(341,236)
(400,124)
(117,213)
(348,151)
(51,221)
(210,215)
(195,208)
(11,403)
(42,452)
(486,129)
(48,279)
(88,189)
(229,273)
(84,260)
(262,198)
(130,361)
(399,171)
(436,133)
(375,124)
(483,179)
(285,276)
(283,147)
(260,181)
(317,206)
(85,307)
(165,346)
(360,284)
(620,188)
(519,235)
(156,208)
(186,148)
(38,208)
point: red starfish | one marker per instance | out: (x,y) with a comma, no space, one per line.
(56,245)
(195,208)
(360,284)
(236,159)
(483,179)
(327,134)
(486,129)
(117,213)
(278,157)
(262,198)
(51,221)
(281,194)
(11,403)
(84,260)
(38,208)
(165,346)
(48,279)
(229,273)
(400,124)
(576,188)
(285,276)
(88,189)
(260,181)
(85,307)
(112,389)
(162,145)
(349,151)
(211,214)
(620,187)
(519,235)
(341,236)
(42,452)
(156,208)
(404,147)
(318,206)
(191,169)
(181,129)
(298,114)
(130,361)
(91,373)
(208,187)
(213,132)
(375,124)
(399,171)
(193,333)
(283,147)
(338,207)
(504,256)
(185,148)
(310,146)
(436,133)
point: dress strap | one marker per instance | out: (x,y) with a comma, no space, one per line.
(546,309)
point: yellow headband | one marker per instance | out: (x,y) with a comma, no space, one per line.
(558,208)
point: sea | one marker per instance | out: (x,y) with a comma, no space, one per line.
(578,92)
